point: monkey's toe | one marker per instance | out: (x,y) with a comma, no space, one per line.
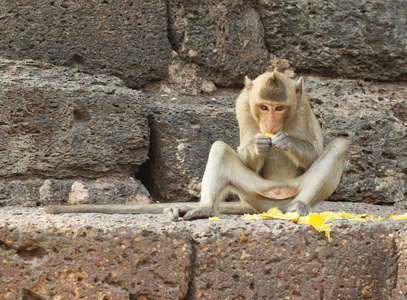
(198,213)
(301,208)
(174,213)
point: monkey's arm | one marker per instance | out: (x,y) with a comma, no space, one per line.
(252,147)
(225,208)
(302,151)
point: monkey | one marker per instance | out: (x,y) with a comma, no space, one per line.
(290,170)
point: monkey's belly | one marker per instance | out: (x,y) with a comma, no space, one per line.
(281,192)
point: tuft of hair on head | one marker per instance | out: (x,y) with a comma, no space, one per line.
(272,79)
(274,88)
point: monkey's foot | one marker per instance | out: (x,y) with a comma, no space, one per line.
(188,213)
(280,192)
(300,207)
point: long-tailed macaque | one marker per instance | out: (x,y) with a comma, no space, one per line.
(280,161)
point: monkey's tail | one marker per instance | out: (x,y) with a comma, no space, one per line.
(225,208)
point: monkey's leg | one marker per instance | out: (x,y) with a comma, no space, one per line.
(224,171)
(322,178)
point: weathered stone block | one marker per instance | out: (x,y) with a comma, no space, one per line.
(373,117)
(400,290)
(225,38)
(182,132)
(60,124)
(37,192)
(99,257)
(94,256)
(123,38)
(359,39)
(280,260)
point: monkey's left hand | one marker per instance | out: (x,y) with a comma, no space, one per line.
(282,141)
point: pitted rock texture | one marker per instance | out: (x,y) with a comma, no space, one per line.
(123,38)
(224,40)
(373,117)
(273,260)
(183,130)
(38,192)
(94,256)
(62,125)
(358,39)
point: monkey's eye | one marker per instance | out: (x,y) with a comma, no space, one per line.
(279,108)
(264,107)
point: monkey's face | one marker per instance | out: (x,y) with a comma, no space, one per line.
(271,115)
(273,97)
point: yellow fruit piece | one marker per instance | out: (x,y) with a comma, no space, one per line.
(275,213)
(213,219)
(399,217)
(270,135)
(319,221)
(312,219)
(328,215)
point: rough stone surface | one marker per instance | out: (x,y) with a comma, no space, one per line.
(401,287)
(373,117)
(225,38)
(360,39)
(38,192)
(59,124)
(95,256)
(276,260)
(92,257)
(182,132)
(123,38)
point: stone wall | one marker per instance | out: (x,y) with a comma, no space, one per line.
(225,40)
(74,129)
(81,125)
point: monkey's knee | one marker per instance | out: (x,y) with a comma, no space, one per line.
(220,151)
(220,147)
(338,146)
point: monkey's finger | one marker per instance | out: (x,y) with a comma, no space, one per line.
(278,137)
(263,144)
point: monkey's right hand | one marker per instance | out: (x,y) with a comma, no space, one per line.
(263,143)
(188,213)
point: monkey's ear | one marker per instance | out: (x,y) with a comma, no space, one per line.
(248,83)
(298,88)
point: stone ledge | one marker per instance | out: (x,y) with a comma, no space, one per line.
(96,256)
